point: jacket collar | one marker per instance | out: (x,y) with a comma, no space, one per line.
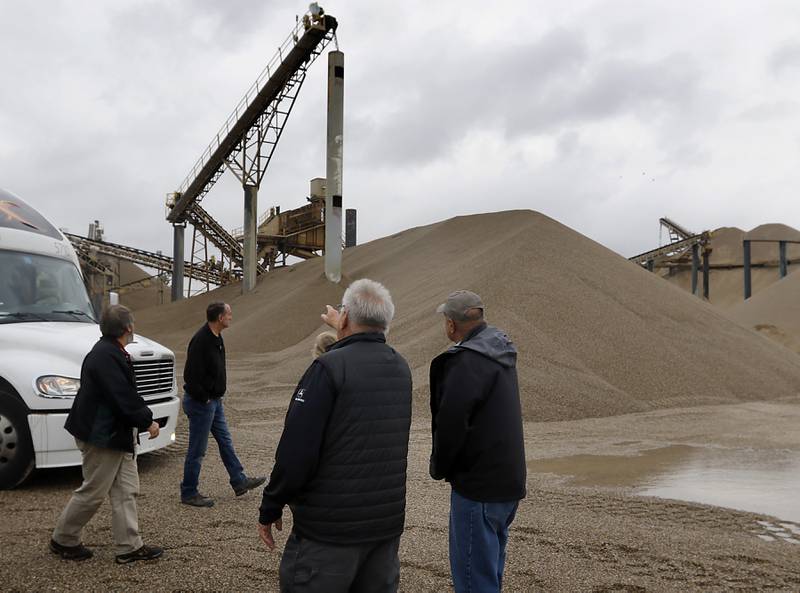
(485,340)
(475,331)
(360,337)
(116,343)
(211,333)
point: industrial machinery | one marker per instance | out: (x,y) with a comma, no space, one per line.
(299,232)
(245,145)
(97,256)
(684,248)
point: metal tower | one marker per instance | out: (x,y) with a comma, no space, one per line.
(245,145)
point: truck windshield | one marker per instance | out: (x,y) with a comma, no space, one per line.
(41,288)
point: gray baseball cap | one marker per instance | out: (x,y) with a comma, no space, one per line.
(458,303)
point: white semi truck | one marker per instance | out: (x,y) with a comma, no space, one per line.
(47,326)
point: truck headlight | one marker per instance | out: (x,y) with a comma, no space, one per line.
(55,386)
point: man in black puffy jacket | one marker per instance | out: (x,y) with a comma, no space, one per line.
(106,418)
(341,461)
(478,443)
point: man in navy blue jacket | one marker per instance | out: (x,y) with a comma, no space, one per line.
(106,418)
(478,443)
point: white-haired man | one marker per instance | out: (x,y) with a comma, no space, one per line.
(341,461)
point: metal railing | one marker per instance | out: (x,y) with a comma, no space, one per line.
(158,261)
(238,232)
(302,24)
(671,248)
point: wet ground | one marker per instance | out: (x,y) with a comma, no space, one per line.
(746,479)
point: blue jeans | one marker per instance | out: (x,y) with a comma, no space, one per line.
(478,536)
(205,419)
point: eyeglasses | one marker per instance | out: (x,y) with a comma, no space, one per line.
(340,307)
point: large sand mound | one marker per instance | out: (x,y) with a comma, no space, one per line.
(597,335)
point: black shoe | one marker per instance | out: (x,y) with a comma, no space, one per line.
(79,552)
(143,553)
(248,484)
(198,500)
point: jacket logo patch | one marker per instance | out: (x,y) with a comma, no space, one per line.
(299,395)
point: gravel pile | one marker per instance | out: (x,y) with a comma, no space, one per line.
(597,335)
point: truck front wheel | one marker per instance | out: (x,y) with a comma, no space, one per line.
(16,448)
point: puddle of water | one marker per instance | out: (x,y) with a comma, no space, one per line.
(791,527)
(614,470)
(750,480)
(784,532)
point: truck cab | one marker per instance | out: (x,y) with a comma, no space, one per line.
(47,326)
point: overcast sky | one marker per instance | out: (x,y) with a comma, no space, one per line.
(604,115)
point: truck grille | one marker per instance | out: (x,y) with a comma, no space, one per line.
(154,376)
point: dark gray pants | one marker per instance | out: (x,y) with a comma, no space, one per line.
(314,567)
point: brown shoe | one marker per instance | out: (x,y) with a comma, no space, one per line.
(79,552)
(143,553)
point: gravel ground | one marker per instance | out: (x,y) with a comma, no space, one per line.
(565,538)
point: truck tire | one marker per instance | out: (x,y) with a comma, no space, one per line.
(16,449)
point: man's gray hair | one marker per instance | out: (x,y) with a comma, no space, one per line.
(369,304)
(115,320)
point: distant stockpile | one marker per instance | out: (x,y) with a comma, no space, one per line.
(597,335)
(727,284)
(139,289)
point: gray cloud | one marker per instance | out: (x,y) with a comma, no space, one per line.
(537,88)
(770,110)
(785,59)
(450,109)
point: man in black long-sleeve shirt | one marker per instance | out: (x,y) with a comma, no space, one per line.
(204,385)
(341,461)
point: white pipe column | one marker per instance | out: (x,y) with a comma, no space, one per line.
(333,186)
(177,260)
(249,230)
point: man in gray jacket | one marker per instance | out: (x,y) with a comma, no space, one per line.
(478,443)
